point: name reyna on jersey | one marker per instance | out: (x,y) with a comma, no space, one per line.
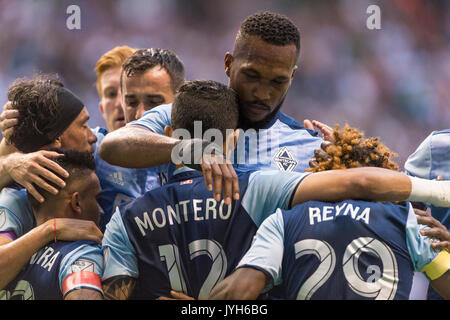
(328,213)
(201,209)
(46,260)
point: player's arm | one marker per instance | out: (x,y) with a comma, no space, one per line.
(369,183)
(119,288)
(136,147)
(442,285)
(15,254)
(260,267)
(32,168)
(84,294)
(176,295)
(243,284)
(79,273)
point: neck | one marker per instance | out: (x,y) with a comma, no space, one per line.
(46,213)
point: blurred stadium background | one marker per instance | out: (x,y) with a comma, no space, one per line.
(393,83)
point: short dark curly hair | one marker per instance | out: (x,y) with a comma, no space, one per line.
(37,102)
(77,163)
(351,150)
(211,102)
(273,28)
(144,59)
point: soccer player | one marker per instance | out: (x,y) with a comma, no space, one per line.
(260,70)
(108,69)
(178,237)
(68,270)
(343,250)
(430,161)
(149,77)
(49,116)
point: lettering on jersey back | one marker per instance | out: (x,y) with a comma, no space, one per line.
(183,211)
(328,213)
(46,259)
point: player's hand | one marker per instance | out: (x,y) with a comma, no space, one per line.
(176,296)
(325,130)
(34,167)
(220,177)
(436,230)
(320,154)
(8,119)
(208,158)
(74,229)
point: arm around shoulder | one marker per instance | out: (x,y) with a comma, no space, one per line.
(243,284)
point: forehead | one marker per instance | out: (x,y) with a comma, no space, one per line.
(110,77)
(152,81)
(82,116)
(256,53)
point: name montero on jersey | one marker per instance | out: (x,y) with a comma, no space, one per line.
(159,217)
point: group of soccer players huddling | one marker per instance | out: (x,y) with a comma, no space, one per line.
(268,209)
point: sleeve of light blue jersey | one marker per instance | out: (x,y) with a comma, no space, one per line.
(266,251)
(92,258)
(120,256)
(16,214)
(419,163)
(155,119)
(269,190)
(418,246)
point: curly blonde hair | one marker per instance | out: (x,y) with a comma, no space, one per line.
(351,150)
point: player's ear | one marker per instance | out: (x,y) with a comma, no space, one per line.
(75,203)
(228,60)
(293,72)
(100,106)
(57,143)
(168,131)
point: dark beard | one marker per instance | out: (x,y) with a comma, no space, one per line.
(245,123)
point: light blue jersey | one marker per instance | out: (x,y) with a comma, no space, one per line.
(347,250)
(16,215)
(121,184)
(148,236)
(283,145)
(430,160)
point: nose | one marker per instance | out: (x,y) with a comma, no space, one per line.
(140,111)
(92,138)
(261,92)
(118,101)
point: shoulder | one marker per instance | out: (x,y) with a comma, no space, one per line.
(14,200)
(444,132)
(294,124)
(163,110)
